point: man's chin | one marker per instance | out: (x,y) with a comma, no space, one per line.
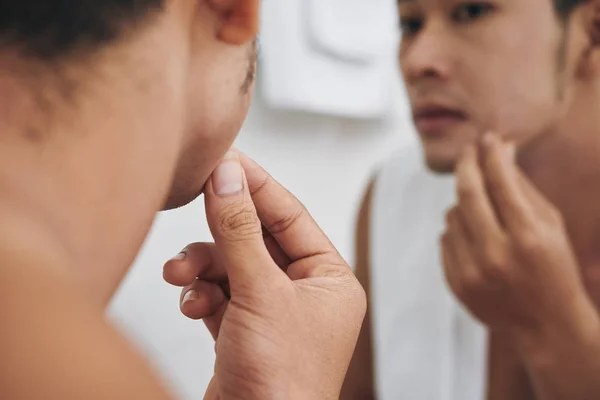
(181,198)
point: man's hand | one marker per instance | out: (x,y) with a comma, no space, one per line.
(506,253)
(284,307)
(508,258)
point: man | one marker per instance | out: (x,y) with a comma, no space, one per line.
(525,69)
(508,258)
(520,68)
(110,110)
(529,71)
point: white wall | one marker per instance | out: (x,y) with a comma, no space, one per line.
(325,161)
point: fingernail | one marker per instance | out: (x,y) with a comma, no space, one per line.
(227,177)
(179,257)
(189,296)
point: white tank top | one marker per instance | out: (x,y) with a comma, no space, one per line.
(426,346)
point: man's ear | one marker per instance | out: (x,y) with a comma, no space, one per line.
(589,15)
(239,20)
(593,22)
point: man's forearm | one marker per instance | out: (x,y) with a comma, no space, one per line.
(564,362)
(507,376)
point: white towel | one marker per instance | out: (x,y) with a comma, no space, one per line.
(329,56)
(427,347)
(356,30)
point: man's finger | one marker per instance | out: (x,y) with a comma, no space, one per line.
(203,261)
(197,260)
(276,252)
(459,247)
(285,217)
(476,210)
(235,225)
(504,187)
(206,301)
(212,391)
(449,263)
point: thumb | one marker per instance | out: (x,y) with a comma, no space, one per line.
(236,228)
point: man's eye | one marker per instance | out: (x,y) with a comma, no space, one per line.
(410,26)
(471,11)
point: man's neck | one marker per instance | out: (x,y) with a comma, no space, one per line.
(87,178)
(564,166)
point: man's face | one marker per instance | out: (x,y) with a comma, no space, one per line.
(477,66)
(219,89)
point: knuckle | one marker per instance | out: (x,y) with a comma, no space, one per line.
(451,215)
(284,223)
(556,217)
(464,190)
(196,249)
(337,271)
(262,186)
(240,222)
(497,271)
(461,291)
(529,243)
(496,265)
(492,184)
(445,239)
(493,256)
(471,280)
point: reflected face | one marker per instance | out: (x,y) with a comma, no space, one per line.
(475,66)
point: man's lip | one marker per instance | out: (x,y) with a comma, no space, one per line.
(436,111)
(436,118)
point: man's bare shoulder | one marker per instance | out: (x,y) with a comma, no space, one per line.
(54,341)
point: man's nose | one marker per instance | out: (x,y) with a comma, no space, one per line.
(429,55)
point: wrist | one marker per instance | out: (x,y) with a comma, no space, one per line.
(557,339)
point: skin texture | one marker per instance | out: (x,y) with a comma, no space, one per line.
(146,121)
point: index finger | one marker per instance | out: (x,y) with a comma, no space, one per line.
(504,185)
(284,216)
(475,207)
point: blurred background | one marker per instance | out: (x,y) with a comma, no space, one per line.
(329,107)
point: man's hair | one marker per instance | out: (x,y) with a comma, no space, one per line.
(564,8)
(49,29)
